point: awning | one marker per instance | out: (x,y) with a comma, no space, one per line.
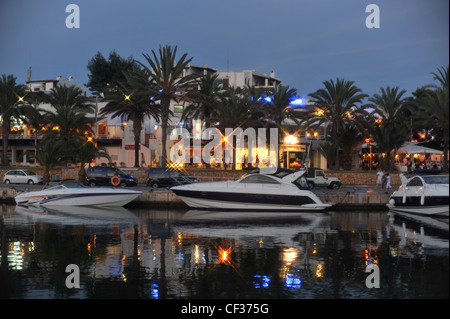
(411,148)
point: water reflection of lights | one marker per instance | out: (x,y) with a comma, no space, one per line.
(196,254)
(369,259)
(293,280)
(224,255)
(154,290)
(15,255)
(289,255)
(319,271)
(261,281)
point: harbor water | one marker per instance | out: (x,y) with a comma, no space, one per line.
(171,254)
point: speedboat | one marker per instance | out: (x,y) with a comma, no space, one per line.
(73,194)
(425,195)
(280,190)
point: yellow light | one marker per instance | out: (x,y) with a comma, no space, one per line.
(20,98)
(127,97)
(291,140)
(315,134)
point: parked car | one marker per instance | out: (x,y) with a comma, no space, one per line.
(101,175)
(22,176)
(317,177)
(161,177)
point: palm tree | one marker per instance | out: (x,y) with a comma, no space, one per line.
(50,154)
(33,116)
(389,126)
(67,122)
(167,74)
(337,106)
(277,110)
(132,101)
(205,101)
(68,95)
(435,108)
(443,77)
(11,95)
(86,150)
(236,111)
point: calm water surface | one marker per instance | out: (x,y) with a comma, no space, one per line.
(160,254)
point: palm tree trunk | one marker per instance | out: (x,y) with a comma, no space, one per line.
(165,103)
(6,127)
(445,159)
(137,127)
(82,174)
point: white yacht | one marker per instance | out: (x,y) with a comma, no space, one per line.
(73,194)
(426,195)
(280,190)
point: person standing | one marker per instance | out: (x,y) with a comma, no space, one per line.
(379,177)
(403,179)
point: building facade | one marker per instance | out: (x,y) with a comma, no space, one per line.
(116,135)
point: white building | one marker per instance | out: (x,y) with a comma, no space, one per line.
(117,134)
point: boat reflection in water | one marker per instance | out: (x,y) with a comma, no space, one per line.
(86,215)
(420,234)
(162,254)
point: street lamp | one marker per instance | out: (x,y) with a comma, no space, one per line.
(368,141)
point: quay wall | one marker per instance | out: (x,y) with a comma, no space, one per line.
(356,199)
(347,177)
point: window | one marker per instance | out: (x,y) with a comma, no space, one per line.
(178,109)
(259,179)
(415,182)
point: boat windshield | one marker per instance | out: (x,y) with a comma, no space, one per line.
(67,185)
(436,179)
(301,182)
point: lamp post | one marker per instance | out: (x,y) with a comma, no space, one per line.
(368,140)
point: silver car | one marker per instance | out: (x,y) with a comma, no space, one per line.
(22,176)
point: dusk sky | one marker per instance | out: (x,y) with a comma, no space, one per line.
(303,42)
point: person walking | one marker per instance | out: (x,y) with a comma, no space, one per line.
(388,183)
(383,180)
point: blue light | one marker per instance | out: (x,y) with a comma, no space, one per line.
(268,99)
(261,281)
(297,101)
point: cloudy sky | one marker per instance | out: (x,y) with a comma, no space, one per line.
(305,42)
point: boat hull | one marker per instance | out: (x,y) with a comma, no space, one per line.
(243,201)
(438,210)
(92,198)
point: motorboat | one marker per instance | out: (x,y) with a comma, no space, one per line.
(280,189)
(422,194)
(73,194)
